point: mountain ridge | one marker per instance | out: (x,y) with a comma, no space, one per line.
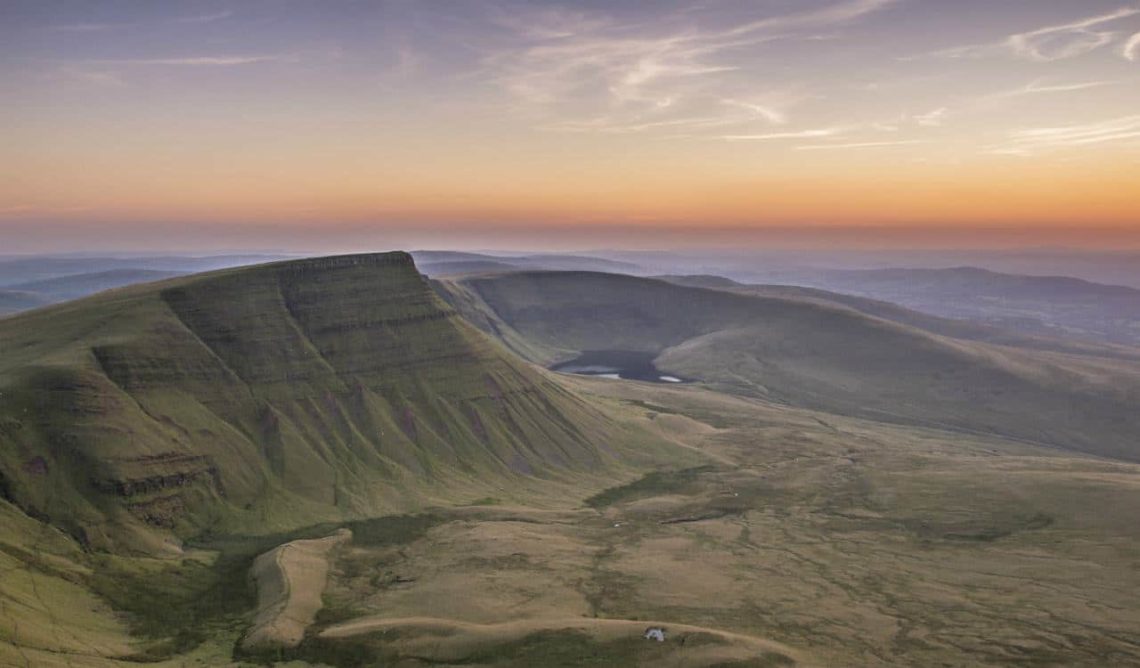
(277,395)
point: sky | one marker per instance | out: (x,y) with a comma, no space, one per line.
(286,124)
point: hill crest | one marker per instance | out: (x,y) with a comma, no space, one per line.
(272,397)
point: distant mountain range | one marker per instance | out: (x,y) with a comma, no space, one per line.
(1049,306)
(31,282)
(450,263)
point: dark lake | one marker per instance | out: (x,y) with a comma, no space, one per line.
(627,364)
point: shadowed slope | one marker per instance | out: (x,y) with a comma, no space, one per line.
(271,397)
(815,354)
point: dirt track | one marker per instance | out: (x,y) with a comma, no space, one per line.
(453,640)
(290,581)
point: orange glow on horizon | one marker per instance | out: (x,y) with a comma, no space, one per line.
(633,120)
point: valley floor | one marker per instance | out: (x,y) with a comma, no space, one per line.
(806,539)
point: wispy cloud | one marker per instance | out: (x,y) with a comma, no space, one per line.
(842,12)
(761,110)
(204,18)
(1039,87)
(1033,140)
(1050,43)
(608,125)
(1066,41)
(592,71)
(864,144)
(197,19)
(1131,48)
(800,134)
(932,118)
(196,61)
(90,76)
(85,27)
(549,22)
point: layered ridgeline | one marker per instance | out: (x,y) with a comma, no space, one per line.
(261,399)
(810,352)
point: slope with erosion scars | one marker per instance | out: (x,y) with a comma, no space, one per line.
(272,397)
(822,355)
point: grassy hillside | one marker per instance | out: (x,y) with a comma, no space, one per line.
(822,355)
(266,398)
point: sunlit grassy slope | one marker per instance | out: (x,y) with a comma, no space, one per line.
(829,356)
(266,398)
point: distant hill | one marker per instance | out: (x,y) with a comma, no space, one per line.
(452,263)
(461,267)
(34,281)
(22,269)
(822,355)
(63,288)
(1058,305)
(264,398)
(12,301)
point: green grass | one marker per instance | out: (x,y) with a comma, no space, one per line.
(392,530)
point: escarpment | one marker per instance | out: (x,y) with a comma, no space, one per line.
(271,397)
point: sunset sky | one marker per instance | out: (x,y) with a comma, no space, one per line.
(327,125)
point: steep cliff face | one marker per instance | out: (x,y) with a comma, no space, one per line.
(273,396)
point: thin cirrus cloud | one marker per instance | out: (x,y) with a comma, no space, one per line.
(933,118)
(842,12)
(1039,87)
(1030,141)
(1131,48)
(1051,43)
(204,18)
(800,134)
(862,144)
(116,73)
(196,19)
(195,61)
(769,113)
(84,27)
(617,77)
